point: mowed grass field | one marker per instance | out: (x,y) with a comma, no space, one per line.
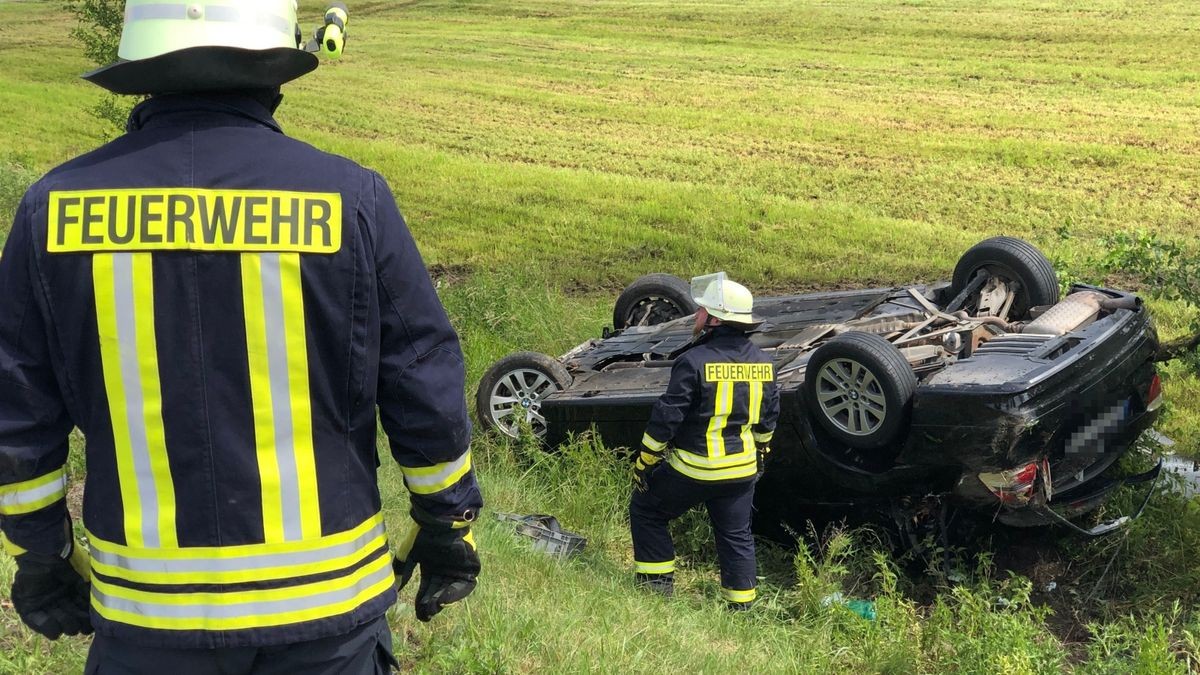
(547,153)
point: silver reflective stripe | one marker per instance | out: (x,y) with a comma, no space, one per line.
(256,609)
(22,497)
(164,10)
(134,403)
(281,397)
(436,479)
(254,562)
(225,13)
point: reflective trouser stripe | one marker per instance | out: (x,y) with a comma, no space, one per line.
(124,289)
(426,480)
(722,405)
(278,357)
(699,473)
(235,564)
(739,596)
(31,495)
(243,609)
(653,445)
(666,567)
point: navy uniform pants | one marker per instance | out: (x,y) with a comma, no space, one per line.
(668,496)
(366,650)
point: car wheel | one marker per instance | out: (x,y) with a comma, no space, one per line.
(511,392)
(860,389)
(653,299)
(1009,259)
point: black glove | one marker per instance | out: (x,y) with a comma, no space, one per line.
(763,451)
(445,550)
(50,595)
(642,467)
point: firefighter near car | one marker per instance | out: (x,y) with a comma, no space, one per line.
(222,311)
(704,443)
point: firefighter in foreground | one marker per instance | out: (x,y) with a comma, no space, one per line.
(221,309)
(711,426)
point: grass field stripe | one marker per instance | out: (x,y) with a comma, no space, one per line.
(150,388)
(296,351)
(261,397)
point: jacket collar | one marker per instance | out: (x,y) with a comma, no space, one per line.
(170,109)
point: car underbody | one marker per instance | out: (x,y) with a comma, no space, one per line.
(989,389)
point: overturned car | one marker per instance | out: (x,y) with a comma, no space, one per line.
(989,388)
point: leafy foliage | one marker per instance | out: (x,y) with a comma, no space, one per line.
(99,32)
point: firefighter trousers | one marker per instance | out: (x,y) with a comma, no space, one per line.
(669,495)
(366,650)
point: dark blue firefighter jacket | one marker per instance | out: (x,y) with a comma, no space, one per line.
(221,311)
(720,405)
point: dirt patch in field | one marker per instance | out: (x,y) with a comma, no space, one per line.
(448,275)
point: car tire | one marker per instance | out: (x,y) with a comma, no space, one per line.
(860,388)
(653,299)
(519,381)
(1015,260)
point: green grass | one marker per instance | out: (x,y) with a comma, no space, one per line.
(546,153)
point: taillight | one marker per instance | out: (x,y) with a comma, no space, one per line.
(1013,487)
(1154,395)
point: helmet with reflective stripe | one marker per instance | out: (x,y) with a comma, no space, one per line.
(724,299)
(204,46)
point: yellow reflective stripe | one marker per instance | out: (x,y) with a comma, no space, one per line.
(237,551)
(245,609)
(260,394)
(9,547)
(469,537)
(273,299)
(31,495)
(124,293)
(654,567)
(110,357)
(649,442)
(697,473)
(739,596)
(301,401)
(426,480)
(722,404)
(147,356)
(723,462)
(241,563)
(764,437)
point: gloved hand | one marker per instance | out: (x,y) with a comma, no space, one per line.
(642,467)
(445,551)
(763,451)
(51,593)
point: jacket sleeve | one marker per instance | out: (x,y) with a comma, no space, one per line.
(672,407)
(421,377)
(34,422)
(764,431)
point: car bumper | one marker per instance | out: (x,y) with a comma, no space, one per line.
(1080,500)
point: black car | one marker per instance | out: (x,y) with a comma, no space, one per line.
(988,388)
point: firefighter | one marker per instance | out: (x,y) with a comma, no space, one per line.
(711,427)
(221,311)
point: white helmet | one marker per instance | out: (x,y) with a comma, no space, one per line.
(727,300)
(218,44)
